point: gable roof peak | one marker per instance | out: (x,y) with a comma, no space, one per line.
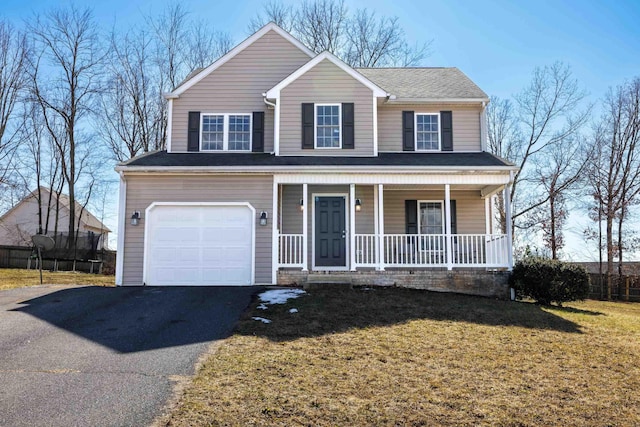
(195,77)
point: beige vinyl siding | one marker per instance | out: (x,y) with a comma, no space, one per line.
(466,125)
(325,84)
(469,209)
(237,86)
(142,191)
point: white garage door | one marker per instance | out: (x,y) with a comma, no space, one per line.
(198,245)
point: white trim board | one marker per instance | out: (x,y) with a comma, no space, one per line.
(271,26)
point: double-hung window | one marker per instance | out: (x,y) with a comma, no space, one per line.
(427,131)
(431,225)
(226,132)
(328,126)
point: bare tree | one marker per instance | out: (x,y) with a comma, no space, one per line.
(67,42)
(13,63)
(361,39)
(614,171)
(204,45)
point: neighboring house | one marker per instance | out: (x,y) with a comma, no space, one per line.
(284,167)
(20,222)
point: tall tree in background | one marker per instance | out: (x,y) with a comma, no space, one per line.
(614,170)
(13,79)
(361,39)
(65,76)
(546,117)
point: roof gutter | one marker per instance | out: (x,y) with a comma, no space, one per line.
(396,100)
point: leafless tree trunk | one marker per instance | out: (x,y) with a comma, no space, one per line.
(13,63)
(68,43)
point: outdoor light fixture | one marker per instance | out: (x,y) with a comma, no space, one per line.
(263,218)
(135,218)
(358,205)
(301,205)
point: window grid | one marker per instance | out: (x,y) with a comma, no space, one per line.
(431,217)
(328,126)
(226,132)
(427,132)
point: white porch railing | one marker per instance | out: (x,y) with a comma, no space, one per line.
(413,250)
(291,250)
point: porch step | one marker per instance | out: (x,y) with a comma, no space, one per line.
(327,281)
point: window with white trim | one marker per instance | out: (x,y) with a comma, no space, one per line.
(431,225)
(427,132)
(328,125)
(225,132)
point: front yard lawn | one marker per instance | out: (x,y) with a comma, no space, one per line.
(17,278)
(401,357)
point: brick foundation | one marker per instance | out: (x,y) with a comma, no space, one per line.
(472,282)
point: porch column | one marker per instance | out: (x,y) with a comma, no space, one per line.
(376,227)
(507,210)
(305,228)
(352,227)
(275,236)
(447,219)
(381,227)
(487,215)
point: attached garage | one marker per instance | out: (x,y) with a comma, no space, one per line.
(199,244)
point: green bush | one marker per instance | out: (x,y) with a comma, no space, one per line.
(549,281)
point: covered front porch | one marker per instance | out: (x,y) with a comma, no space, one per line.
(356,222)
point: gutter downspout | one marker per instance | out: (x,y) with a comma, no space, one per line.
(276,124)
(483,127)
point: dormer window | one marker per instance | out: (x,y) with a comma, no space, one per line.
(226,132)
(427,131)
(328,126)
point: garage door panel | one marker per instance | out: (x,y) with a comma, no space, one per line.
(199,245)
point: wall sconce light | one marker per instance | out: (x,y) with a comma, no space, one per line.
(358,205)
(301,205)
(263,218)
(135,218)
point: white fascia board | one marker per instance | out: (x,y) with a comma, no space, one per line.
(274,92)
(437,101)
(271,26)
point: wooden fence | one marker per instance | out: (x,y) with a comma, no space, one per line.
(625,288)
(21,257)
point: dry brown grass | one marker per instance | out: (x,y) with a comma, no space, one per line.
(17,278)
(399,357)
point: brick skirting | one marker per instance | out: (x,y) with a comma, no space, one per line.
(471,282)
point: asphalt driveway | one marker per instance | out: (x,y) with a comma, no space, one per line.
(72,356)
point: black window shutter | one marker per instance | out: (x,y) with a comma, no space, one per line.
(454,221)
(257,139)
(408,143)
(446,130)
(193,137)
(348,141)
(411,216)
(308,112)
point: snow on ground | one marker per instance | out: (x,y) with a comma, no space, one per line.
(262,319)
(279,296)
(262,307)
(293,310)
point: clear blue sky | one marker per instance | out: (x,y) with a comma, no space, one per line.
(496,43)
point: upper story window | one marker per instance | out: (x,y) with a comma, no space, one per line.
(428,132)
(226,132)
(328,126)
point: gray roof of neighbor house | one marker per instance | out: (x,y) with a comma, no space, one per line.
(424,83)
(199,159)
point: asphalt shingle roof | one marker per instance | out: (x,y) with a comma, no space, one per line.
(198,159)
(424,83)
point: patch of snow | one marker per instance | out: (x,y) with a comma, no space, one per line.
(280,296)
(262,307)
(293,310)
(262,319)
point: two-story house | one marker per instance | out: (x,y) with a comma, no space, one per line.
(283,166)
